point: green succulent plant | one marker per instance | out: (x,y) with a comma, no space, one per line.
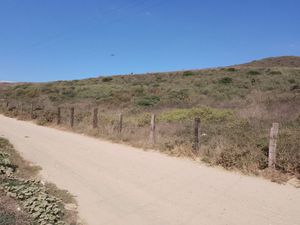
(44,208)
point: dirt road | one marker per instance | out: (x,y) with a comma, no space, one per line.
(120,185)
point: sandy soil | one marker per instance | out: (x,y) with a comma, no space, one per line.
(120,185)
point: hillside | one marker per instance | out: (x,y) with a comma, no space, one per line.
(228,87)
(5,83)
(236,104)
(283,61)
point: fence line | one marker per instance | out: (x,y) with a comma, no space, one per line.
(196,144)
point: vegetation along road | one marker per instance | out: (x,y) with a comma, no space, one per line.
(116,184)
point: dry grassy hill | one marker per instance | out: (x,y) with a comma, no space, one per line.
(237,105)
(283,61)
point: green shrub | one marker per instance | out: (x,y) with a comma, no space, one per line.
(275,73)
(68,92)
(44,208)
(155,85)
(231,69)
(107,79)
(3,143)
(5,165)
(188,73)
(148,101)
(292,81)
(179,95)
(31,194)
(253,72)
(225,80)
(295,87)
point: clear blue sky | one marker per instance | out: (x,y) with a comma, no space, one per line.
(43,40)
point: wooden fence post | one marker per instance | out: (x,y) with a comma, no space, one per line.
(95,118)
(152,129)
(272,145)
(72,116)
(120,123)
(58,115)
(21,107)
(31,111)
(196,144)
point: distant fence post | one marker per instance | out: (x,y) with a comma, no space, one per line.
(72,116)
(95,118)
(58,115)
(273,145)
(152,129)
(31,111)
(21,107)
(196,144)
(120,123)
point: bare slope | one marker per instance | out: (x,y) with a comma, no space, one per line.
(119,185)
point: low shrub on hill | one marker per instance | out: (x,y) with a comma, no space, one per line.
(148,101)
(225,80)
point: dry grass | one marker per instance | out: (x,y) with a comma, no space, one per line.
(237,106)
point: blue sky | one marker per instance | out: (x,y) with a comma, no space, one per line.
(73,39)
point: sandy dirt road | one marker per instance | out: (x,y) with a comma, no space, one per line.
(120,185)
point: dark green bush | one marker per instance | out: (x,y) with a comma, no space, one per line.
(231,69)
(295,87)
(275,73)
(107,79)
(68,93)
(225,80)
(148,101)
(292,81)
(188,73)
(253,72)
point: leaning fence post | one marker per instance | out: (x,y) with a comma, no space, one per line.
(95,118)
(72,116)
(272,145)
(152,129)
(58,115)
(196,144)
(120,123)
(31,111)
